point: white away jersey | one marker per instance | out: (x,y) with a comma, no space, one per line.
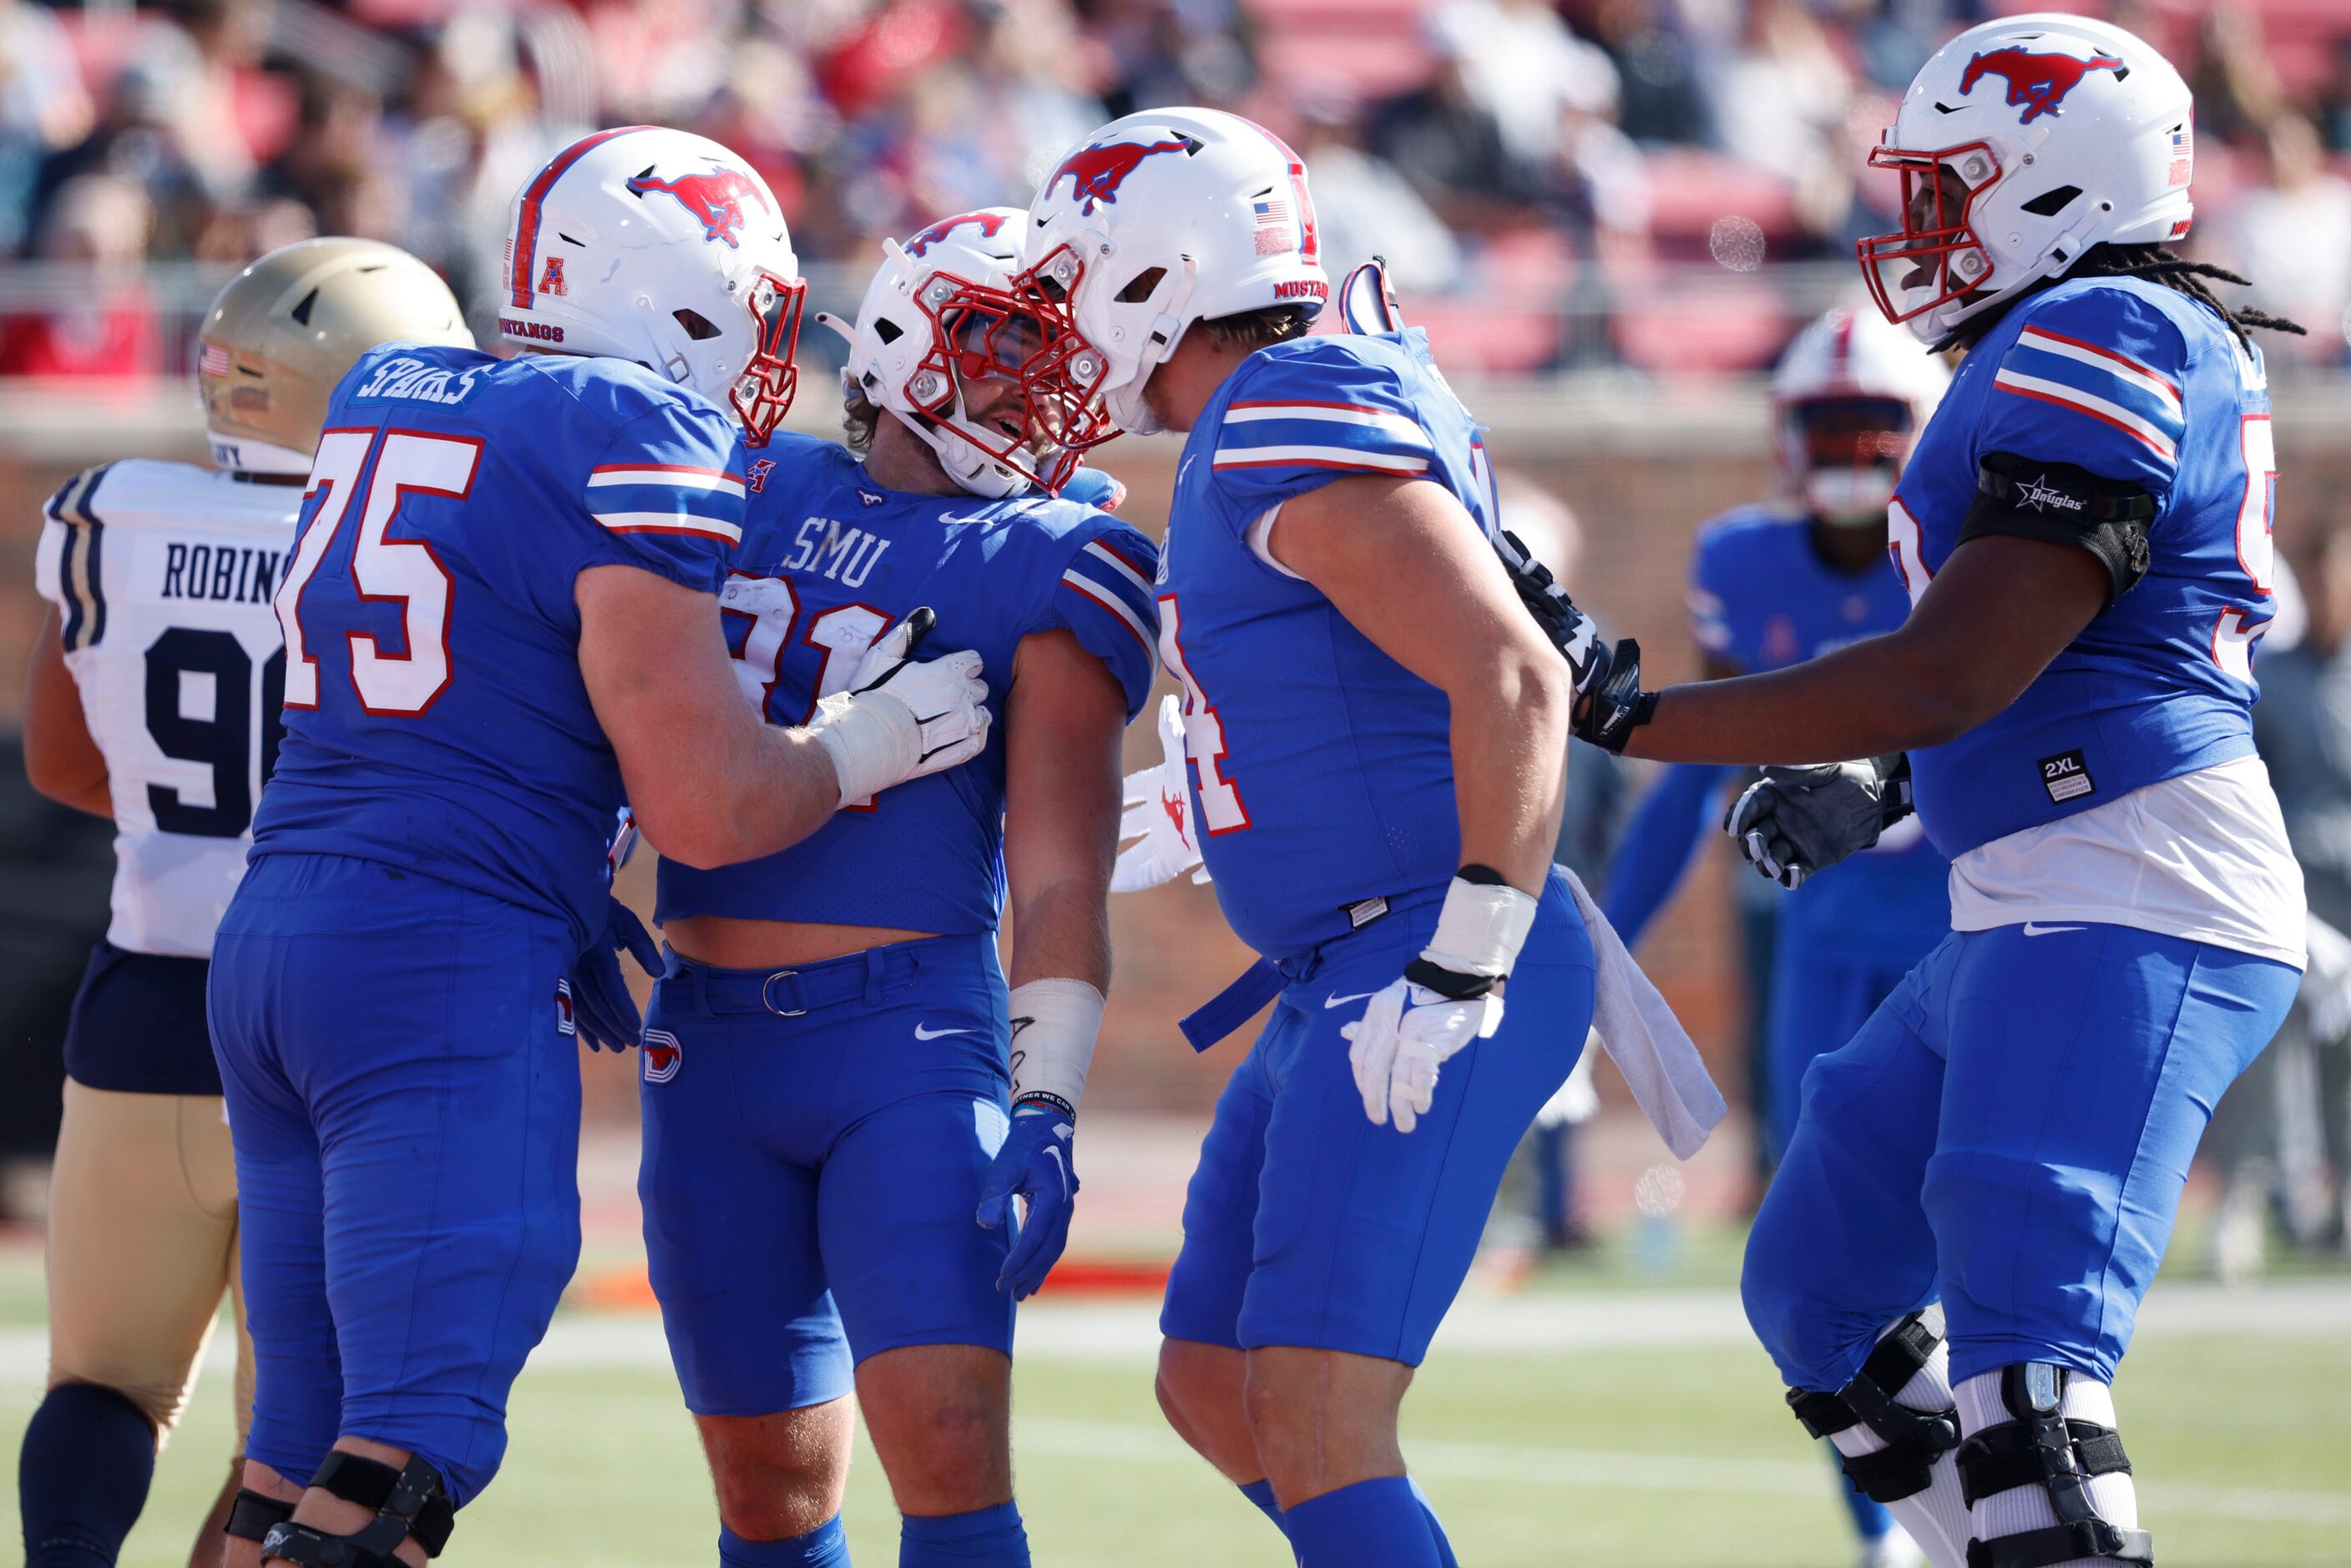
(162,575)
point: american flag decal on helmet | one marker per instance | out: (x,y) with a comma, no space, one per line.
(1273,233)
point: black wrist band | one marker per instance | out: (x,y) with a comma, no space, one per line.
(1451,984)
(1478,875)
(1053,1101)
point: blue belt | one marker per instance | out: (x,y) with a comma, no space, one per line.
(1263,981)
(788,993)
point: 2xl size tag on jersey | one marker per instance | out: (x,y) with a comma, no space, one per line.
(2066,777)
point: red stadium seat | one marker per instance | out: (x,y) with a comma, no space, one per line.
(1715,332)
(1496,340)
(1691,189)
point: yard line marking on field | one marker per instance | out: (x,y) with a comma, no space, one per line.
(1682,1473)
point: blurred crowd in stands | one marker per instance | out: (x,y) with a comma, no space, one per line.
(1546,178)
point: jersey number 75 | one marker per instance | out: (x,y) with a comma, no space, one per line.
(383,568)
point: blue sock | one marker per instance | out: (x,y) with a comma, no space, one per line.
(1260,1492)
(1445,1558)
(988,1536)
(826,1546)
(1378,1523)
(82,1477)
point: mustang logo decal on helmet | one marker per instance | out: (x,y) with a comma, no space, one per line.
(2041,81)
(716,199)
(989,223)
(1095,174)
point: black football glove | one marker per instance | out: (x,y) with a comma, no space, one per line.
(1570,630)
(1793,821)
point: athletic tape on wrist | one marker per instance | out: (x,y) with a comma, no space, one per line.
(1054,1025)
(868,744)
(1481,929)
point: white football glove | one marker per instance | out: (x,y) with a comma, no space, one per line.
(1405,1035)
(1159,810)
(901,717)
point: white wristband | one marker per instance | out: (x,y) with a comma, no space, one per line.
(1054,1023)
(1481,928)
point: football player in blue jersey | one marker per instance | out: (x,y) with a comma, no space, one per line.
(2084,531)
(1772,585)
(500,616)
(831,1054)
(1375,732)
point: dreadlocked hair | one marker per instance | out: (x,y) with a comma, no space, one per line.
(2157,264)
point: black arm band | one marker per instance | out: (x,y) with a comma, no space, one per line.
(2062,504)
(1478,876)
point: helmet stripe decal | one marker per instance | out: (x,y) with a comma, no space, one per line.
(1309,246)
(523,262)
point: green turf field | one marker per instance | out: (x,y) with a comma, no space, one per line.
(1629,1455)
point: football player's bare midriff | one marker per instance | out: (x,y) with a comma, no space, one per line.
(724,942)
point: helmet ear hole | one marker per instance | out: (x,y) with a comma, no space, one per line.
(2050,203)
(1142,286)
(302,312)
(887,330)
(697,326)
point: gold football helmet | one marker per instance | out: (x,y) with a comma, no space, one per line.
(287,329)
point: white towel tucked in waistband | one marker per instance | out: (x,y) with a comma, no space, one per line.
(1646,1041)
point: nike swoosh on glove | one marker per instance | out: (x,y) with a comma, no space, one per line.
(1406,1034)
(1034,1166)
(1159,814)
(1795,821)
(602,1012)
(901,717)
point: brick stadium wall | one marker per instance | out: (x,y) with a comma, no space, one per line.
(1639,471)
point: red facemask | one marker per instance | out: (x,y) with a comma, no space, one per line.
(1935,248)
(763,393)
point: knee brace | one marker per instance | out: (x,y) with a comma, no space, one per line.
(253,1512)
(2042,1448)
(1914,1440)
(409,1502)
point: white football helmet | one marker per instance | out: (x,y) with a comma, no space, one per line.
(663,247)
(1157,221)
(2020,144)
(1848,401)
(936,319)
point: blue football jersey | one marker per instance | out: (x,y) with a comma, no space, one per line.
(2135,382)
(1763,599)
(1322,768)
(830,561)
(435,717)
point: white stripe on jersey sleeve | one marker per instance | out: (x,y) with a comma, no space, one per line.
(670,523)
(677,475)
(2121,367)
(1406,431)
(1109,557)
(1318,457)
(1110,601)
(2097,408)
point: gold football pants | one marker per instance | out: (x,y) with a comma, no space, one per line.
(142,1242)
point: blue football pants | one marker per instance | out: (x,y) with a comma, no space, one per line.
(403,1093)
(2010,1133)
